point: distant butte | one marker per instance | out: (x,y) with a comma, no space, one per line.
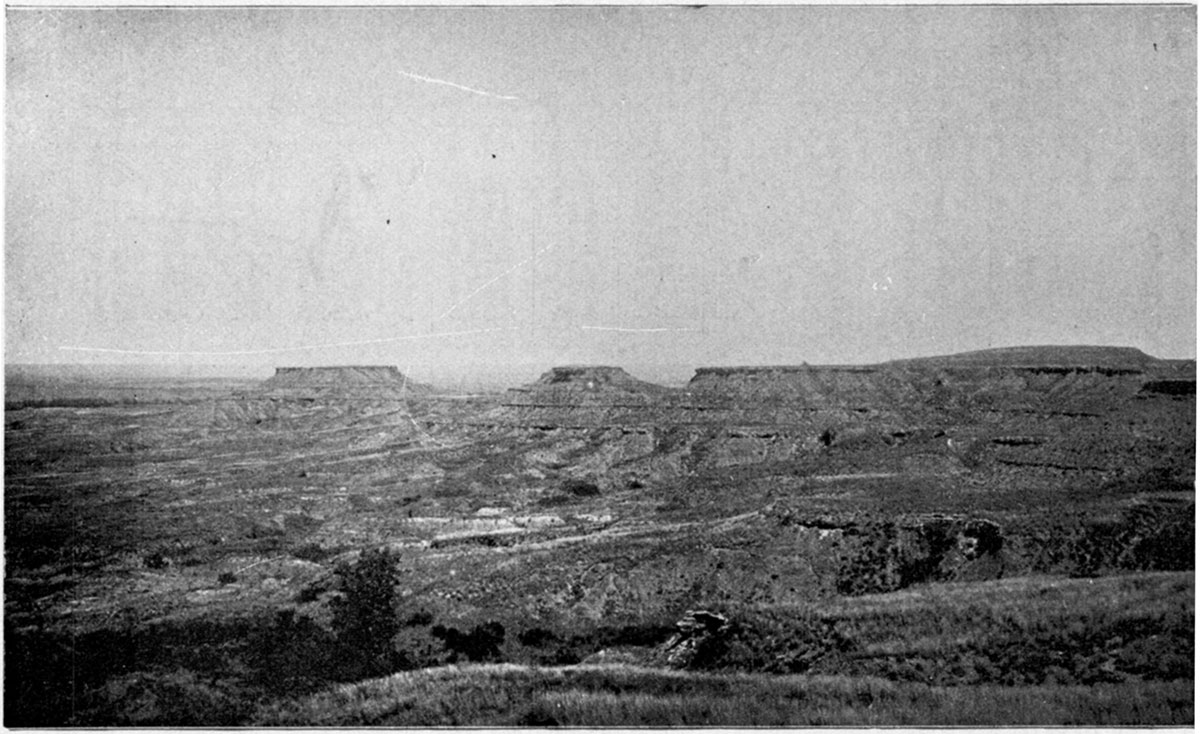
(1127,358)
(347,377)
(594,377)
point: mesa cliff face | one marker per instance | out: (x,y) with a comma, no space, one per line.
(1045,380)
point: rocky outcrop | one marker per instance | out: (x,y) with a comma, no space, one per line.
(695,630)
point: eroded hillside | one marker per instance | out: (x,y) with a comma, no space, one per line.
(584,512)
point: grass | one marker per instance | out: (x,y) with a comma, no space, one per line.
(1022,631)
(607,696)
(1022,601)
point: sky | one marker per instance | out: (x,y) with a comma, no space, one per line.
(451,189)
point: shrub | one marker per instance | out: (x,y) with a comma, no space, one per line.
(873,566)
(480,644)
(888,557)
(157,561)
(1156,536)
(313,552)
(580,488)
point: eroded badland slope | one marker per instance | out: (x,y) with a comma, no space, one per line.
(184,561)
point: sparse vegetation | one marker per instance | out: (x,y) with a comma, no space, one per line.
(343,558)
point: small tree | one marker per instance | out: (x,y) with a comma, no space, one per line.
(365,616)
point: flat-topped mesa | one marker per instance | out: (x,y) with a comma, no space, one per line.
(592,378)
(1070,379)
(1075,358)
(584,395)
(348,377)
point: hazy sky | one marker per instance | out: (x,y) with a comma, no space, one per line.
(450,187)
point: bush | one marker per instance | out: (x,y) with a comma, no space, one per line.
(156,561)
(581,488)
(313,552)
(480,644)
(567,646)
(1156,536)
(888,557)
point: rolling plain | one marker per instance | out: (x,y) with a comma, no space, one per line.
(993,538)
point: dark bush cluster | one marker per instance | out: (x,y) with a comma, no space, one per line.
(580,488)
(887,557)
(541,646)
(1144,538)
(481,644)
(569,491)
(313,552)
(883,556)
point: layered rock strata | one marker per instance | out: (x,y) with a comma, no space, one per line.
(1053,408)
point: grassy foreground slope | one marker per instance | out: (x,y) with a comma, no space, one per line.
(621,695)
(1006,652)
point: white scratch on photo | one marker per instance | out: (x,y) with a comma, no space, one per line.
(640,331)
(464,88)
(475,292)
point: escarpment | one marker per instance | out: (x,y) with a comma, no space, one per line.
(1068,381)
(1055,409)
